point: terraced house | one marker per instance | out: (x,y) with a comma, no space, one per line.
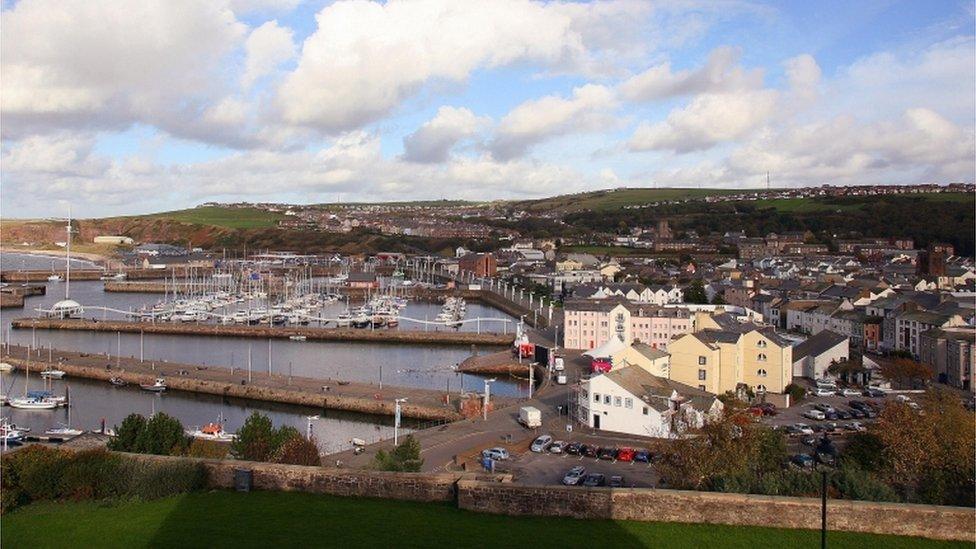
(726,359)
(589,323)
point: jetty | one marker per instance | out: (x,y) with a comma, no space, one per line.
(442,337)
(322,393)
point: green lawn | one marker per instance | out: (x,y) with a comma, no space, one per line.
(290,519)
(232,218)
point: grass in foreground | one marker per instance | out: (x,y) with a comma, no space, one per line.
(289,519)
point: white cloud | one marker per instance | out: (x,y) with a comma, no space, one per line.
(263,6)
(720,73)
(539,119)
(109,63)
(267,47)
(433,141)
(708,120)
(803,74)
(366,58)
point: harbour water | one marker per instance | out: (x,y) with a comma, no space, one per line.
(394,365)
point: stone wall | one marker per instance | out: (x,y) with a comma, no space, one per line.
(930,521)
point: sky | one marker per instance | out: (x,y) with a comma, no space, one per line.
(120,107)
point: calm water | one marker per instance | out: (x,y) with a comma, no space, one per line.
(403,365)
(93,401)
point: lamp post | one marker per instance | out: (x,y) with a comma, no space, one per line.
(396,420)
(484,407)
(308,426)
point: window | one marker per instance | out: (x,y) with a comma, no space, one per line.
(761,357)
(628,403)
(644,410)
(701,375)
(596,397)
(761,372)
(616,401)
(761,388)
(606,399)
(761,343)
(702,361)
(583,394)
(701,387)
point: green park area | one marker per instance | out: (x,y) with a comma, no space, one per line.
(232,218)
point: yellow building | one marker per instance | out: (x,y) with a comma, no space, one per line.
(720,360)
(654,361)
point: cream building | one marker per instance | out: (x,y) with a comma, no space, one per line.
(717,361)
(590,323)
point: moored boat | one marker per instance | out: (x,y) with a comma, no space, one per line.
(156,387)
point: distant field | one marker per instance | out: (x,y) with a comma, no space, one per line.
(617,198)
(291,519)
(806,205)
(232,218)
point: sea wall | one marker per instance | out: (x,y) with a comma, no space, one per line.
(645,504)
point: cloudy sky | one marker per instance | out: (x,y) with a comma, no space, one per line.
(122,106)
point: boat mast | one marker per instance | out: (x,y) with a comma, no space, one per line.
(67,269)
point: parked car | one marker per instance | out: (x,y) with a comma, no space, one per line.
(574,475)
(591,450)
(803,428)
(802,461)
(826,458)
(497,454)
(858,404)
(616,481)
(849,392)
(856,413)
(843,415)
(855,426)
(625,454)
(594,479)
(823,391)
(824,407)
(873,392)
(769,408)
(558,447)
(607,453)
(642,455)
(832,415)
(574,448)
(541,443)
(815,415)
(870,413)
(903,398)
(808,441)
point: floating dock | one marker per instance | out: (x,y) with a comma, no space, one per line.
(382,335)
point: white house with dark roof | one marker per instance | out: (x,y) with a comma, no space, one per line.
(812,357)
(631,400)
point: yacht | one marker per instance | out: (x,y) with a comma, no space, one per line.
(212,431)
(52,374)
(156,387)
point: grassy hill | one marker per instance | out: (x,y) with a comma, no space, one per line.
(614,198)
(231,218)
(807,205)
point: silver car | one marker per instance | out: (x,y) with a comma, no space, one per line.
(574,476)
(497,454)
(558,447)
(541,443)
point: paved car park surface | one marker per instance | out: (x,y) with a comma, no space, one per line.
(546,468)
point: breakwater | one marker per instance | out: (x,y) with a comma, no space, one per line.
(265,332)
(97,274)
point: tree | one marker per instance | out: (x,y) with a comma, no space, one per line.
(405,457)
(695,292)
(163,435)
(255,439)
(904,371)
(127,433)
(718,300)
(298,450)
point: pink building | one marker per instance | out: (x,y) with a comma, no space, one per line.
(589,323)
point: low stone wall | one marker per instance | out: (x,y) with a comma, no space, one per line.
(930,521)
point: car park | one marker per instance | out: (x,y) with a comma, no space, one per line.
(558,447)
(802,461)
(541,443)
(642,455)
(607,453)
(815,415)
(574,475)
(497,454)
(848,392)
(594,479)
(625,454)
(616,481)
(574,448)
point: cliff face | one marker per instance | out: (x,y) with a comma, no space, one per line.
(139,229)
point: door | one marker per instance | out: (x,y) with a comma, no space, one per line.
(596,421)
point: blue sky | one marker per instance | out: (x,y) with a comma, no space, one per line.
(127,108)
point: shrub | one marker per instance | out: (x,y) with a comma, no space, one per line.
(209,449)
(158,479)
(855,483)
(298,450)
(39,471)
(128,433)
(163,435)
(258,440)
(796,392)
(405,457)
(92,474)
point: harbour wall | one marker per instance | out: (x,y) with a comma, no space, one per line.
(265,332)
(257,391)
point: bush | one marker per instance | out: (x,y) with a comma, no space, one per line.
(37,473)
(298,450)
(855,483)
(209,449)
(405,457)
(162,434)
(128,433)
(796,392)
(258,440)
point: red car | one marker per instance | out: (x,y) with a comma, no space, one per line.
(625,454)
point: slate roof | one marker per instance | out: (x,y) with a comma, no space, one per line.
(655,391)
(817,344)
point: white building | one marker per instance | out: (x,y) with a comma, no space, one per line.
(631,400)
(812,357)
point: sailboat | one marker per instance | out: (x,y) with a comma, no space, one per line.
(65,429)
(33,401)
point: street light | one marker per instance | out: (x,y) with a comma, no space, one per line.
(484,406)
(308,426)
(396,420)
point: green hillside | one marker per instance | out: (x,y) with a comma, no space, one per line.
(615,198)
(231,218)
